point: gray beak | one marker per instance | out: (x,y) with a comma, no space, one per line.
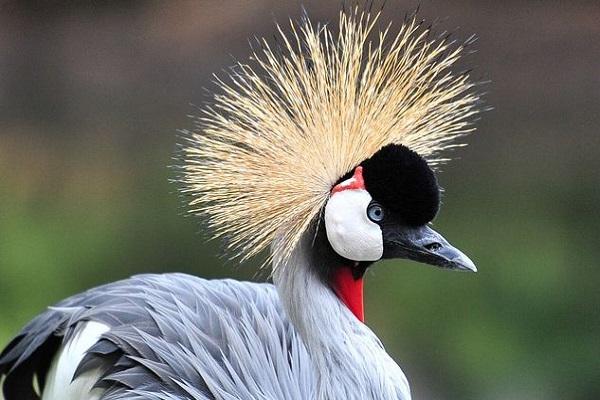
(423,244)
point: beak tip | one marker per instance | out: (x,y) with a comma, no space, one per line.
(465,264)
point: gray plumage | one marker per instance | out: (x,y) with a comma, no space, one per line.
(172,336)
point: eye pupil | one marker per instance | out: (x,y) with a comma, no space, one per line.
(375,212)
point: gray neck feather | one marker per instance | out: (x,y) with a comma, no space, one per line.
(349,359)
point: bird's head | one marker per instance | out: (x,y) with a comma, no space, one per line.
(382,210)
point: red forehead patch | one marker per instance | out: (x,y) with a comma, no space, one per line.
(354,183)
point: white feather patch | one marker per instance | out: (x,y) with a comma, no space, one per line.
(59,381)
(349,231)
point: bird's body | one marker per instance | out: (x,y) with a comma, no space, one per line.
(175,336)
(324,158)
(171,336)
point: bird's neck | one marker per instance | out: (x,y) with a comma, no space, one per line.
(349,288)
(349,359)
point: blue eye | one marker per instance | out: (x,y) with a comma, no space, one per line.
(375,212)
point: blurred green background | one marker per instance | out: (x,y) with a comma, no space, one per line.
(91,97)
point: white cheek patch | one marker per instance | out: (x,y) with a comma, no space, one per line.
(349,231)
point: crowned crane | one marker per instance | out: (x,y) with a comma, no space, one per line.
(322,151)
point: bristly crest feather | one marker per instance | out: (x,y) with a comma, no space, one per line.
(282,131)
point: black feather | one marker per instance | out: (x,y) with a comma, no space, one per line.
(402,181)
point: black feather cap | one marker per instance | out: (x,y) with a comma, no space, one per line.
(403,183)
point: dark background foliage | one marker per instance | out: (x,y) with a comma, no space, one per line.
(91,97)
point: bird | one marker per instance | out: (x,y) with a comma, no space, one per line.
(318,156)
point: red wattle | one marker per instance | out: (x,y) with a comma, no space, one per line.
(350,291)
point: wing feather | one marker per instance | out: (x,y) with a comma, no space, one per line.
(170,336)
